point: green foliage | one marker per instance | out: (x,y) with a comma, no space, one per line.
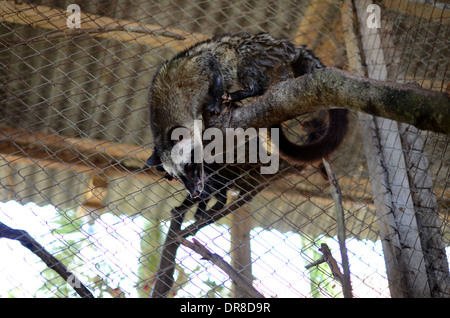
(65,249)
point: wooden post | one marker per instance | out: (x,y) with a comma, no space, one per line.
(94,198)
(426,212)
(388,170)
(241,256)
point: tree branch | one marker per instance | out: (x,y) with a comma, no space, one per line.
(331,88)
(218,261)
(340,223)
(27,241)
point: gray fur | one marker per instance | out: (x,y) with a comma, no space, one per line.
(231,67)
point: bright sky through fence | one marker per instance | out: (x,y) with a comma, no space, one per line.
(110,248)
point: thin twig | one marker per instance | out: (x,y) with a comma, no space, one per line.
(329,259)
(337,197)
(27,241)
(315,263)
(227,268)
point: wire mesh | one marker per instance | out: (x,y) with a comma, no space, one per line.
(75,136)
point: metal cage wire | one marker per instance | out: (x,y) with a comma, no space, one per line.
(74,138)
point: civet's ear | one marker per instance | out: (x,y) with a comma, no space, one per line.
(154,160)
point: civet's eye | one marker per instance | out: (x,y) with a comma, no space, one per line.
(189,166)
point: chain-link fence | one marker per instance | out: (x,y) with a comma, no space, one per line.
(74,139)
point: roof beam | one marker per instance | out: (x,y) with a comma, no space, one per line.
(437,12)
(55,19)
(77,154)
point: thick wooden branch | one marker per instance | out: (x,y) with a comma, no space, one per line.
(334,88)
(52,262)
